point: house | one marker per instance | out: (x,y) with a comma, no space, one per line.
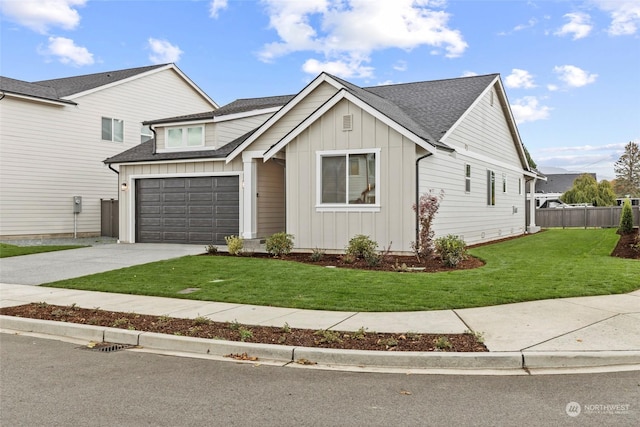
(54,135)
(555,186)
(330,162)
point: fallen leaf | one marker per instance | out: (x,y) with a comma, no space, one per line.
(243,356)
(305,362)
(405,392)
(91,344)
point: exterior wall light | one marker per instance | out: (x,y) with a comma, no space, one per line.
(124,186)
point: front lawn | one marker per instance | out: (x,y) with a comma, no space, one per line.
(7,250)
(552,264)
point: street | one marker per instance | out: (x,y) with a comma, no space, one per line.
(47,382)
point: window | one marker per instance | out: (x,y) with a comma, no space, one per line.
(467,178)
(519,185)
(187,137)
(491,188)
(348,178)
(504,182)
(145,133)
(112,129)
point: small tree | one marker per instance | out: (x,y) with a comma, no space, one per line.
(428,205)
(626,218)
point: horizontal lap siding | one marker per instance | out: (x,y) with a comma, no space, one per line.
(51,153)
(332,230)
(484,132)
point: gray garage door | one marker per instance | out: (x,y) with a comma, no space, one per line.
(200,210)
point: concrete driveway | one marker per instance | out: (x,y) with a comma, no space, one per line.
(48,267)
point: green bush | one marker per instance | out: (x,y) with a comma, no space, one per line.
(317,255)
(361,246)
(279,244)
(626,218)
(451,249)
(234,244)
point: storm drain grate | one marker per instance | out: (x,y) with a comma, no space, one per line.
(106,347)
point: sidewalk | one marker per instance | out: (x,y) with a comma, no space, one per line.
(570,332)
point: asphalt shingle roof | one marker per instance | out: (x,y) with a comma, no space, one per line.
(558,183)
(19,87)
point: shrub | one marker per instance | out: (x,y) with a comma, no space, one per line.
(234,244)
(279,244)
(451,249)
(626,218)
(317,255)
(361,246)
(211,249)
(426,210)
(372,259)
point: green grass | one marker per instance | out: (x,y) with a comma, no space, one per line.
(552,264)
(7,250)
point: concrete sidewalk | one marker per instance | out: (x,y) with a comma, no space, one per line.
(570,332)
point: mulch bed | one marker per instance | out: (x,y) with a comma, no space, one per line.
(628,245)
(204,328)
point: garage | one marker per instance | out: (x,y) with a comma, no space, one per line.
(193,210)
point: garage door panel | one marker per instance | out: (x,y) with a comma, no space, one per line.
(187,210)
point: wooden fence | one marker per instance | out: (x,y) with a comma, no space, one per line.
(584,217)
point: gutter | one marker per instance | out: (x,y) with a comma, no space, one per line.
(111,167)
(418,194)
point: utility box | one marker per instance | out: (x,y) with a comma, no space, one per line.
(77,204)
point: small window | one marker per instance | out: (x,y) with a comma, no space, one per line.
(347,178)
(188,137)
(504,182)
(145,133)
(519,185)
(112,129)
(491,188)
(467,178)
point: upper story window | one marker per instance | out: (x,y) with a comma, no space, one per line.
(348,178)
(145,133)
(184,137)
(112,129)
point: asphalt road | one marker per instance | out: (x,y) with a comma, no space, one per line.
(48,382)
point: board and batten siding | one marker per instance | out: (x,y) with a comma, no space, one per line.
(130,173)
(483,141)
(395,222)
(270,198)
(48,154)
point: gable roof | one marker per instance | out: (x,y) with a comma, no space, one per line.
(66,89)
(559,182)
(24,89)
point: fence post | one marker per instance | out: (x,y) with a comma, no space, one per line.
(585,217)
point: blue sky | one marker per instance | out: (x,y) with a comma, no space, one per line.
(571,68)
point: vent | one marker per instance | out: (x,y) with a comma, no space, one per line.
(347,122)
(105,347)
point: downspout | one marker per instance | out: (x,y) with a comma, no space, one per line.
(418,194)
(111,167)
(155,136)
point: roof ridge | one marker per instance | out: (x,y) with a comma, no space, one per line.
(432,81)
(147,68)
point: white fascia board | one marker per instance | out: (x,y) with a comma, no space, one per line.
(510,120)
(169,161)
(145,74)
(323,77)
(245,114)
(40,100)
(183,123)
(339,96)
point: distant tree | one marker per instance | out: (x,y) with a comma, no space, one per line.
(529,159)
(587,190)
(627,170)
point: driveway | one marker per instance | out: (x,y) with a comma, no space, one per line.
(48,267)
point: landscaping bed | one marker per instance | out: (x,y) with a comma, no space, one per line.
(202,327)
(628,245)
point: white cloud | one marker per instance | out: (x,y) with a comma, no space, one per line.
(356,28)
(528,109)
(40,15)
(163,51)
(67,52)
(579,25)
(625,15)
(216,6)
(469,73)
(343,69)
(400,66)
(573,76)
(519,79)
(530,24)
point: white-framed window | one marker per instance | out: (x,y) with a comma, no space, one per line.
(504,182)
(187,137)
(348,179)
(112,129)
(491,188)
(467,178)
(145,133)
(520,186)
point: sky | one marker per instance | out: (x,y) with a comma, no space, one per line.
(571,69)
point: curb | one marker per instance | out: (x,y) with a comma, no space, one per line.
(322,356)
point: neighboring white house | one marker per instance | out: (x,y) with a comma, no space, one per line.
(54,135)
(331,162)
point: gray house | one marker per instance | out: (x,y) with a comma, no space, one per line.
(330,162)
